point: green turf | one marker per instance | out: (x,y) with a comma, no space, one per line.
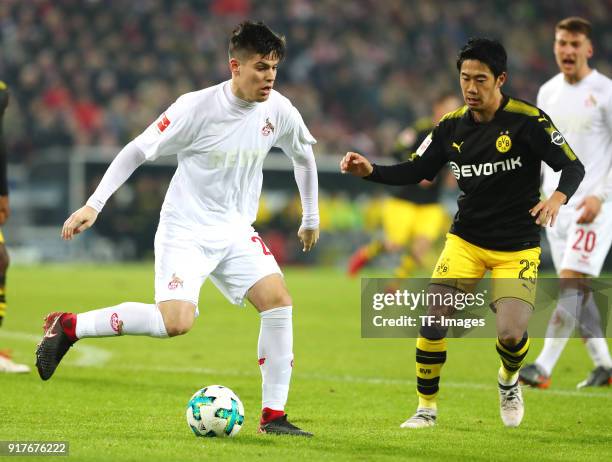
(352,393)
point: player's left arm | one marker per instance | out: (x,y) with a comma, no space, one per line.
(297,144)
(550,145)
(4,199)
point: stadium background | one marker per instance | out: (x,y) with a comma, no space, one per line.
(88,76)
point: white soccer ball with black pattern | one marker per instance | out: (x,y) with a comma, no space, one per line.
(215,410)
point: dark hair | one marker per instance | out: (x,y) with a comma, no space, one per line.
(575,25)
(251,38)
(487,51)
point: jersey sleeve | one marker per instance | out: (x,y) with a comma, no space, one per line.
(169,134)
(551,147)
(549,144)
(296,141)
(604,191)
(424,164)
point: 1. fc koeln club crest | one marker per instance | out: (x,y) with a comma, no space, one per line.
(267,128)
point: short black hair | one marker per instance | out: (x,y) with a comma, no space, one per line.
(250,38)
(490,52)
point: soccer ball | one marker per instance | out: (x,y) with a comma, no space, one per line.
(215,411)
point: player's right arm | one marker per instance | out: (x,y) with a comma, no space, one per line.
(168,135)
(425,163)
(120,169)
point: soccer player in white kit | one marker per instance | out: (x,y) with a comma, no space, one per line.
(579,100)
(221,136)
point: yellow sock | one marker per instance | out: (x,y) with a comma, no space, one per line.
(430,357)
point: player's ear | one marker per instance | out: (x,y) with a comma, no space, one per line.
(589,49)
(501,79)
(234,65)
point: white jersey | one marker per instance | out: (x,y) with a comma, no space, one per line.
(583,113)
(221,142)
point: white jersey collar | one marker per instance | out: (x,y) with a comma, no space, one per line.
(234,101)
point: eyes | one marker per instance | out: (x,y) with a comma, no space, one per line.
(265,68)
(563,43)
(478,79)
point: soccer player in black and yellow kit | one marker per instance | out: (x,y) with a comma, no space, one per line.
(6,364)
(412,219)
(494,146)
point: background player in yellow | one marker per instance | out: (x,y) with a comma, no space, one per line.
(494,146)
(413,218)
(6,363)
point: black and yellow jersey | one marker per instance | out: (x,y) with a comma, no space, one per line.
(497,166)
(416,193)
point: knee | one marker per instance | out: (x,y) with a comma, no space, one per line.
(4,260)
(510,339)
(178,317)
(278,299)
(269,293)
(179,325)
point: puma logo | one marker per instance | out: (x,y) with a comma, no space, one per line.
(458,146)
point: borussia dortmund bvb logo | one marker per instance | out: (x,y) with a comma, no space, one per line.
(503,142)
(442,267)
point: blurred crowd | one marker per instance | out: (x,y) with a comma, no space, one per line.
(94,72)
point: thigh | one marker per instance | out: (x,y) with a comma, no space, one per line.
(515,274)
(398,218)
(458,262)
(181,267)
(247,261)
(587,245)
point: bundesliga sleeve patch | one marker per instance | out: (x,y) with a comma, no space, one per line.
(424,145)
(163,123)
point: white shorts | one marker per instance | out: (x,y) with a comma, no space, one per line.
(234,258)
(584,247)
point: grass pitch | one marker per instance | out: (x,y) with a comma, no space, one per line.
(124,398)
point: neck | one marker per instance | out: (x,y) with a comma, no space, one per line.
(486,115)
(575,78)
(238,93)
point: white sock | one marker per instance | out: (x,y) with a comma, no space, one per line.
(560,328)
(589,321)
(599,352)
(275,351)
(129,318)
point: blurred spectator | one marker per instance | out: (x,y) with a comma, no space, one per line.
(97,72)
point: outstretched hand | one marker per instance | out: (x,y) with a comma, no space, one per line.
(308,237)
(355,164)
(79,221)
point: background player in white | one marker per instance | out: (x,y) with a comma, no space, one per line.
(579,100)
(221,136)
